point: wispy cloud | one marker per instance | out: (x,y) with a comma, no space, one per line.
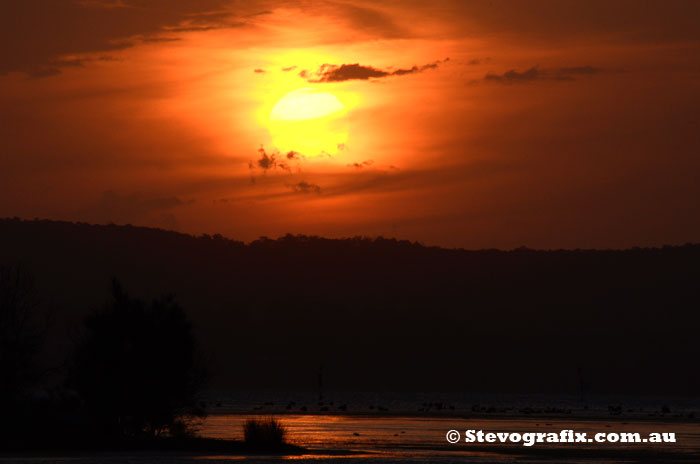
(360,165)
(42,33)
(536,73)
(306,187)
(135,207)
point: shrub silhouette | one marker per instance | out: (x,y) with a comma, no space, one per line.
(268,433)
(137,367)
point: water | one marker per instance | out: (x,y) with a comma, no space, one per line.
(376,428)
(421,439)
(356,439)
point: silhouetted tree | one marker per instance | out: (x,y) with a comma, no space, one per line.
(138,367)
(22,333)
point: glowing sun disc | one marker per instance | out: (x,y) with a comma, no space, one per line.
(308,121)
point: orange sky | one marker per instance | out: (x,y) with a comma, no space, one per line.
(470,124)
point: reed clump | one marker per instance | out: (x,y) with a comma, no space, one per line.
(264,433)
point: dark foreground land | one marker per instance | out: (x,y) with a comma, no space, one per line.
(325,316)
(387,315)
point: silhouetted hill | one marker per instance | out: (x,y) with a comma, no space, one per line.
(386,314)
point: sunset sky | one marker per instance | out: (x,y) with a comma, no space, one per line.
(471,124)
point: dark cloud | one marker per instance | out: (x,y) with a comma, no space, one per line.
(44,71)
(205,22)
(557,21)
(580,70)
(515,76)
(269,161)
(290,68)
(103,3)
(536,73)
(54,67)
(393,179)
(356,71)
(36,33)
(266,161)
(306,187)
(361,165)
(74,62)
(159,39)
(570,73)
(370,20)
(333,73)
(258,70)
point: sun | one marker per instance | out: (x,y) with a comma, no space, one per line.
(310,122)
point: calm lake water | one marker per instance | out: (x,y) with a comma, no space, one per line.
(423,439)
(350,439)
